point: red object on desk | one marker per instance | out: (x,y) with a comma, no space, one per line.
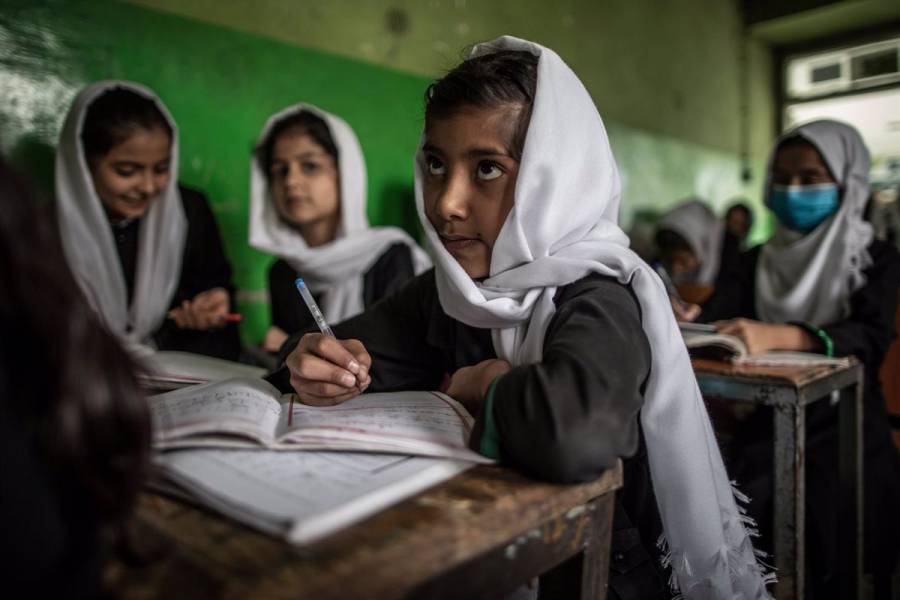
(233,317)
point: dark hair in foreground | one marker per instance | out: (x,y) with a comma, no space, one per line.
(503,78)
(114,115)
(67,380)
(304,121)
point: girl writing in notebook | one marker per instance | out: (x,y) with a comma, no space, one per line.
(145,251)
(823,284)
(308,207)
(557,337)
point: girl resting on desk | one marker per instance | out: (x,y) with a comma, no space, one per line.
(145,251)
(556,336)
(821,284)
(308,207)
(74,428)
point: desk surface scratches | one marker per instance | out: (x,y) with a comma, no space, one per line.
(174,548)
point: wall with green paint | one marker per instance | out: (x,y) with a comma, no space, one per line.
(220,86)
(686,95)
(686,99)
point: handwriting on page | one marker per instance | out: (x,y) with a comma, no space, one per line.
(238,404)
(399,415)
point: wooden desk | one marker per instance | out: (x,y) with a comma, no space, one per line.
(789,390)
(478,535)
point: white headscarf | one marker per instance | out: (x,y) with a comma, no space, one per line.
(693,220)
(336,269)
(561,228)
(811,277)
(88,239)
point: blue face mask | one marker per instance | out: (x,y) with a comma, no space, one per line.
(803,207)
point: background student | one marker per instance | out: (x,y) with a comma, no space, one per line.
(74,429)
(689,242)
(145,251)
(738,222)
(549,329)
(308,207)
(822,283)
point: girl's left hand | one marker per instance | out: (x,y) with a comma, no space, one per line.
(469,385)
(206,311)
(762,337)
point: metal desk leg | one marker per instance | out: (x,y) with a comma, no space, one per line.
(790,491)
(850,504)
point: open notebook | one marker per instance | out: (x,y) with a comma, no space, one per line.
(703,341)
(170,370)
(300,496)
(251,413)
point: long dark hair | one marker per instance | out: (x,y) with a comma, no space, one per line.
(303,120)
(67,379)
(114,115)
(503,78)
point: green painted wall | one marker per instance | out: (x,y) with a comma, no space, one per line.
(687,97)
(687,100)
(220,86)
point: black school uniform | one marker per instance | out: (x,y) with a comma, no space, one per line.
(204,266)
(392,269)
(565,419)
(866,333)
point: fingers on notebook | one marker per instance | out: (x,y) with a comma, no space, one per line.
(325,371)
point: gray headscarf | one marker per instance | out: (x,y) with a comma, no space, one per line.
(693,220)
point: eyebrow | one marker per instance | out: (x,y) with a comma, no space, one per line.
(472,152)
(134,163)
(307,154)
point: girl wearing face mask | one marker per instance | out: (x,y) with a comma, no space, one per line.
(145,251)
(821,284)
(556,336)
(308,207)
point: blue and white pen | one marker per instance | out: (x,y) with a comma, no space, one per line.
(313,307)
(320,321)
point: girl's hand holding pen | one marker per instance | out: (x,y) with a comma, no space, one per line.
(326,371)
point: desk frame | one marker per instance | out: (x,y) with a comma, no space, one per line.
(789,397)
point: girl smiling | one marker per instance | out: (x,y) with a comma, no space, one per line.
(145,251)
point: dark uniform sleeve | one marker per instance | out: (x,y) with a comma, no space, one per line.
(569,417)
(868,331)
(204,267)
(392,269)
(733,296)
(288,311)
(395,332)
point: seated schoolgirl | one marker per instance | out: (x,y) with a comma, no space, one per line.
(308,207)
(822,283)
(689,241)
(74,426)
(556,336)
(145,251)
